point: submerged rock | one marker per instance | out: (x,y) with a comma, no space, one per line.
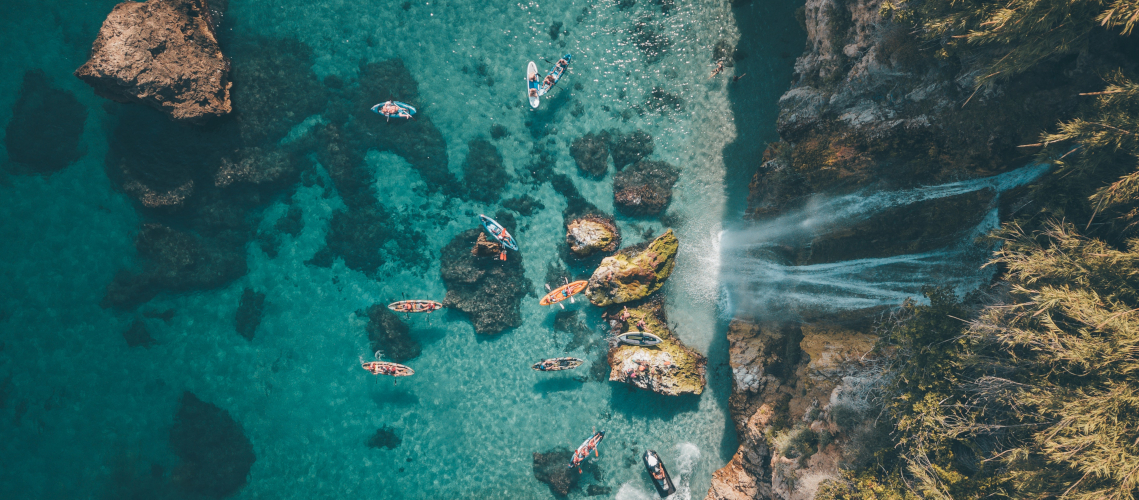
(215,453)
(591,153)
(249,313)
(484,175)
(385,437)
(525,205)
(487,289)
(645,188)
(630,148)
(670,368)
(43,134)
(360,236)
(389,336)
(592,233)
(634,273)
(551,468)
(162,53)
(137,335)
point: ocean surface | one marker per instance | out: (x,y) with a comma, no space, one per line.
(84,415)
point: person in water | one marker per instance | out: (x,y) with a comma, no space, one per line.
(719,68)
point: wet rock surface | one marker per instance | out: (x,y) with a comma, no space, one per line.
(138,335)
(215,454)
(249,312)
(591,153)
(670,368)
(645,188)
(591,234)
(388,335)
(633,273)
(43,135)
(487,289)
(164,54)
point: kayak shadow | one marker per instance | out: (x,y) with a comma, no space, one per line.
(636,402)
(560,384)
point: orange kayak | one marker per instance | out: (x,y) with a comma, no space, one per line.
(385,368)
(415,306)
(563,292)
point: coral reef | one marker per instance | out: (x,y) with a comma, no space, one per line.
(137,335)
(630,148)
(484,176)
(645,188)
(162,53)
(215,453)
(47,123)
(592,233)
(634,273)
(670,368)
(388,335)
(249,313)
(487,289)
(591,153)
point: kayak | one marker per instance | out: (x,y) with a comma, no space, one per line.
(500,233)
(557,364)
(532,84)
(406,111)
(563,292)
(638,338)
(386,368)
(583,451)
(660,476)
(415,306)
(555,74)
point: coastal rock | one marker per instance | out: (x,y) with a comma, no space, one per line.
(215,454)
(47,123)
(833,349)
(669,368)
(591,234)
(645,188)
(389,335)
(249,313)
(162,53)
(630,148)
(591,153)
(634,273)
(489,290)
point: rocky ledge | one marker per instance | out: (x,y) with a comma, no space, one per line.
(162,53)
(634,273)
(670,368)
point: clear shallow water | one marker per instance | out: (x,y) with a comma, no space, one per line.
(81,408)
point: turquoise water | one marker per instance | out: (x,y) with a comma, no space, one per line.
(81,410)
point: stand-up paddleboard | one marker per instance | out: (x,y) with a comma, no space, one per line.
(532,84)
(563,292)
(554,75)
(638,338)
(386,368)
(583,451)
(557,364)
(403,110)
(660,476)
(415,306)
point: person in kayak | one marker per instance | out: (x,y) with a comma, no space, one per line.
(389,108)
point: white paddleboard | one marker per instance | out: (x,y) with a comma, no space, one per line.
(532,84)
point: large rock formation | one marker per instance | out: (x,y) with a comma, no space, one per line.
(670,368)
(592,233)
(487,289)
(162,53)
(216,456)
(634,273)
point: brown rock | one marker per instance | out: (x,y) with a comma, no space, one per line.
(832,349)
(486,248)
(592,233)
(162,53)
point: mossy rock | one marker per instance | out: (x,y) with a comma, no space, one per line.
(670,368)
(634,273)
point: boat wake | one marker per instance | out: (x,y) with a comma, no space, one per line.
(687,456)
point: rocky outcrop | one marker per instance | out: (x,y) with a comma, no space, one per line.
(645,188)
(489,290)
(388,335)
(164,54)
(670,367)
(47,123)
(634,273)
(215,454)
(591,234)
(249,313)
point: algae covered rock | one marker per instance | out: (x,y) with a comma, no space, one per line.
(634,273)
(592,233)
(670,368)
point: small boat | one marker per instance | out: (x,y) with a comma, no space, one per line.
(557,364)
(582,451)
(660,476)
(554,75)
(401,110)
(563,292)
(415,306)
(386,368)
(532,84)
(500,233)
(638,338)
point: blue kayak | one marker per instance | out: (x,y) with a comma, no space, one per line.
(405,111)
(554,75)
(500,233)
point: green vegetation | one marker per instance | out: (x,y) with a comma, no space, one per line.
(1031,390)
